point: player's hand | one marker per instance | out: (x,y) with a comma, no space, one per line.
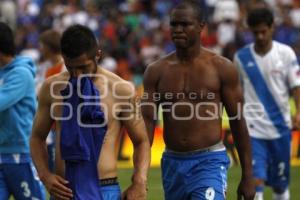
(136,191)
(56,186)
(246,189)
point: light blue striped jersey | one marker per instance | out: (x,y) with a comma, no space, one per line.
(267,81)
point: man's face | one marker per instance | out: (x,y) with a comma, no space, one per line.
(262,34)
(81,65)
(185,28)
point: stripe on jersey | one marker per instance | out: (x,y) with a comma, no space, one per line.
(9,158)
(261,88)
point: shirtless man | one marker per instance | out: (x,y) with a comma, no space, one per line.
(192,85)
(118,101)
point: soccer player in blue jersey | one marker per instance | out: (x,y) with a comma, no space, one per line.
(18,176)
(191,85)
(269,73)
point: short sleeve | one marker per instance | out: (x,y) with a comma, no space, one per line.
(293,68)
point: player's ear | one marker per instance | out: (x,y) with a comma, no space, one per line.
(201,25)
(272,26)
(98,55)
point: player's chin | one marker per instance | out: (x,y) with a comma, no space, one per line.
(261,43)
(180,45)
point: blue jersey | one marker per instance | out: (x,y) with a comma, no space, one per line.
(82,137)
(17,105)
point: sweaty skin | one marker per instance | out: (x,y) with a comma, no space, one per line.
(192,85)
(111,104)
(195,91)
(118,102)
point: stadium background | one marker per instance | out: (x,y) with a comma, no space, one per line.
(133,33)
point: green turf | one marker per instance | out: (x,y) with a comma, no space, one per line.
(156,191)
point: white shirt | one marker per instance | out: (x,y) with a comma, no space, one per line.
(267,90)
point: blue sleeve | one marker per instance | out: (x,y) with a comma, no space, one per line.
(14,87)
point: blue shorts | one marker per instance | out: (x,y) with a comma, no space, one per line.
(271,161)
(111,192)
(21,181)
(201,175)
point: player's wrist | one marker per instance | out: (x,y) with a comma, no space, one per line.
(44,175)
(139,180)
(141,185)
(247,175)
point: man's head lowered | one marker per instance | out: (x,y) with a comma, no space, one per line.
(80,50)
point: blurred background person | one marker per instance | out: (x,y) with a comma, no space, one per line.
(269,72)
(51,63)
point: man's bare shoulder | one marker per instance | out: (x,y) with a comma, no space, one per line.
(224,66)
(216,60)
(110,76)
(227,70)
(154,69)
(63,76)
(53,82)
(162,62)
(121,88)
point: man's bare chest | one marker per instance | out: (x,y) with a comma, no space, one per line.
(193,85)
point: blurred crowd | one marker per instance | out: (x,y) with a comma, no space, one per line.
(134,33)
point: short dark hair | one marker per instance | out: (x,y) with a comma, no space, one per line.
(51,39)
(260,16)
(195,5)
(7,43)
(77,40)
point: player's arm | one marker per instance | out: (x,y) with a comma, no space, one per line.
(232,98)
(149,105)
(41,127)
(296,96)
(14,87)
(293,82)
(133,121)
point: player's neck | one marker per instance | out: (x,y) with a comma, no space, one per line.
(95,72)
(187,54)
(263,50)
